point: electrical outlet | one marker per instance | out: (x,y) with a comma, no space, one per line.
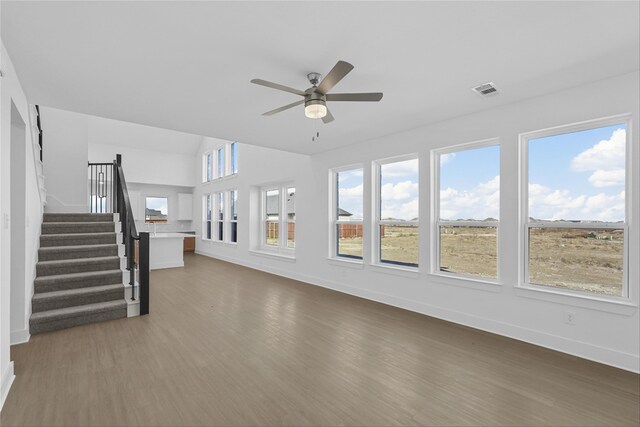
(569,318)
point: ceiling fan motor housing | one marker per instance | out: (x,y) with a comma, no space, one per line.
(315,105)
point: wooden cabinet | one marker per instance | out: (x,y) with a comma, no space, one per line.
(189,244)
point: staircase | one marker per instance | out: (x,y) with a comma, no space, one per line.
(78,275)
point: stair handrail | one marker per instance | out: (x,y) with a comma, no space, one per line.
(130,235)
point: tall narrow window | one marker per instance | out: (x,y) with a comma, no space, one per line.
(207,211)
(348,213)
(221,168)
(272,217)
(397,214)
(291,217)
(207,165)
(219,219)
(234,157)
(233,216)
(575,223)
(468,210)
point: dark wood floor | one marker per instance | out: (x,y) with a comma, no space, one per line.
(227,345)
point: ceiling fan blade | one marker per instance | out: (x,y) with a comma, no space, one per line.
(286,107)
(366,97)
(336,74)
(328,118)
(277,86)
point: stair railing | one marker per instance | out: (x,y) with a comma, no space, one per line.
(108,194)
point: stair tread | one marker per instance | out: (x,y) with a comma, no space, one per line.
(76,223)
(71,248)
(75,292)
(100,233)
(82,274)
(79,260)
(79,310)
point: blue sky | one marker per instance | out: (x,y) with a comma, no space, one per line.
(578,176)
(574,176)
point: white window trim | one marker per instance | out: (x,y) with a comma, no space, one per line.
(436,222)
(229,156)
(333,216)
(377,222)
(551,293)
(281,249)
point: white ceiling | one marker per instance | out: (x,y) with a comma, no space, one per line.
(186,65)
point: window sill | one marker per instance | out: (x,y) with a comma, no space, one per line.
(271,254)
(410,272)
(346,262)
(465,282)
(620,306)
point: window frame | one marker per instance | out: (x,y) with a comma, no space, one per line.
(525,224)
(221,172)
(166,221)
(376,247)
(281,247)
(334,220)
(436,222)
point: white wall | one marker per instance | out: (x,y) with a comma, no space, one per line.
(11,92)
(139,192)
(603,332)
(65,159)
(147,166)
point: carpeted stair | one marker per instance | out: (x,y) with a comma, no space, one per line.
(78,279)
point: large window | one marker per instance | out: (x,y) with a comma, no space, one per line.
(233,216)
(575,228)
(291,217)
(220,170)
(278,218)
(348,212)
(234,158)
(207,167)
(467,200)
(397,212)
(218,220)
(156,209)
(207,201)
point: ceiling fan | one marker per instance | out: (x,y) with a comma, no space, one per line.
(315,98)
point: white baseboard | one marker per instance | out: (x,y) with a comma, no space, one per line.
(20,336)
(626,361)
(5,383)
(161,265)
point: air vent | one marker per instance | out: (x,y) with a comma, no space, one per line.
(486,89)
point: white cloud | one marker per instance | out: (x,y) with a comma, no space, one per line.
(352,192)
(605,160)
(607,178)
(400,201)
(481,202)
(403,168)
(446,158)
(552,204)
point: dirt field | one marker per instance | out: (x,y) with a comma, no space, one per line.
(578,259)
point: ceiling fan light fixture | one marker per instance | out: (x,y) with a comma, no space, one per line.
(315,109)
